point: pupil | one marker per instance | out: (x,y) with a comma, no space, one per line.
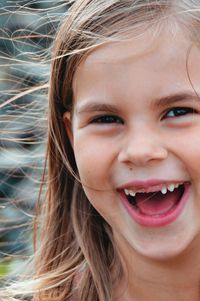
(180,111)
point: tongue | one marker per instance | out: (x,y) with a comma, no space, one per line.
(156,203)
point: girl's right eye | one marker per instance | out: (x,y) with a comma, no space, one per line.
(107,119)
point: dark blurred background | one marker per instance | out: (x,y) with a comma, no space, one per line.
(27,29)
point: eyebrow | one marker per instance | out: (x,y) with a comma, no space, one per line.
(173,98)
(98,106)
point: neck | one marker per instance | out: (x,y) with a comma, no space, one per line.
(174,279)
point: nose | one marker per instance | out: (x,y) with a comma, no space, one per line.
(142,147)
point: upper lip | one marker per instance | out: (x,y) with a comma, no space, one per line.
(149,184)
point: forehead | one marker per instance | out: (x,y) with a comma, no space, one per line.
(148,42)
(134,59)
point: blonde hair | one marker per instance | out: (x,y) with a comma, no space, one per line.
(76,256)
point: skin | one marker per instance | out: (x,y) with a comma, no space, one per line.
(143,141)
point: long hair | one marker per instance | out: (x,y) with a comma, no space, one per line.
(75,255)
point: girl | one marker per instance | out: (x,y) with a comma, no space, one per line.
(121,220)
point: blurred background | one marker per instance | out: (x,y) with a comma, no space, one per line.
(27,29)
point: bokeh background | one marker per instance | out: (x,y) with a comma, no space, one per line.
(27,30)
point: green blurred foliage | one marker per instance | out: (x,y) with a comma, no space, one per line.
(4,269)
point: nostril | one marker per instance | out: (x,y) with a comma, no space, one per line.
(140,155)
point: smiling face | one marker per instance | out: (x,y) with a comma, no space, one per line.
(136,128)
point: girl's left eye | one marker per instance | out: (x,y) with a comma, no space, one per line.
(178,112)
(107,119)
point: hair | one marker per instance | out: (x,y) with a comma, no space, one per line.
(76,255)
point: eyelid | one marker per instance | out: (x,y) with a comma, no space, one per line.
(189,110)
(106,115)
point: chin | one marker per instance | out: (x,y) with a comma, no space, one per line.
(165,249)
(160,254)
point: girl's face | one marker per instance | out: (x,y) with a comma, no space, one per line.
(136,139)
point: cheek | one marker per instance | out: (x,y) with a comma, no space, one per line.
(93,160)
(187,147)
(94,163)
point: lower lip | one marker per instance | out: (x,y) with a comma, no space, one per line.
(159,220)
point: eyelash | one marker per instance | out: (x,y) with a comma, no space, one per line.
(177,112)
(107,119)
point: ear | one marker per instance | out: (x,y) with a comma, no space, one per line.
(67,119)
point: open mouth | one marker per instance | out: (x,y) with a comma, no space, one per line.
(158,207)
(156,203)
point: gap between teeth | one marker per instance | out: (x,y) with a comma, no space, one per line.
(163,190)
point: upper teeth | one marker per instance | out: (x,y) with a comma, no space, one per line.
(163,189)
